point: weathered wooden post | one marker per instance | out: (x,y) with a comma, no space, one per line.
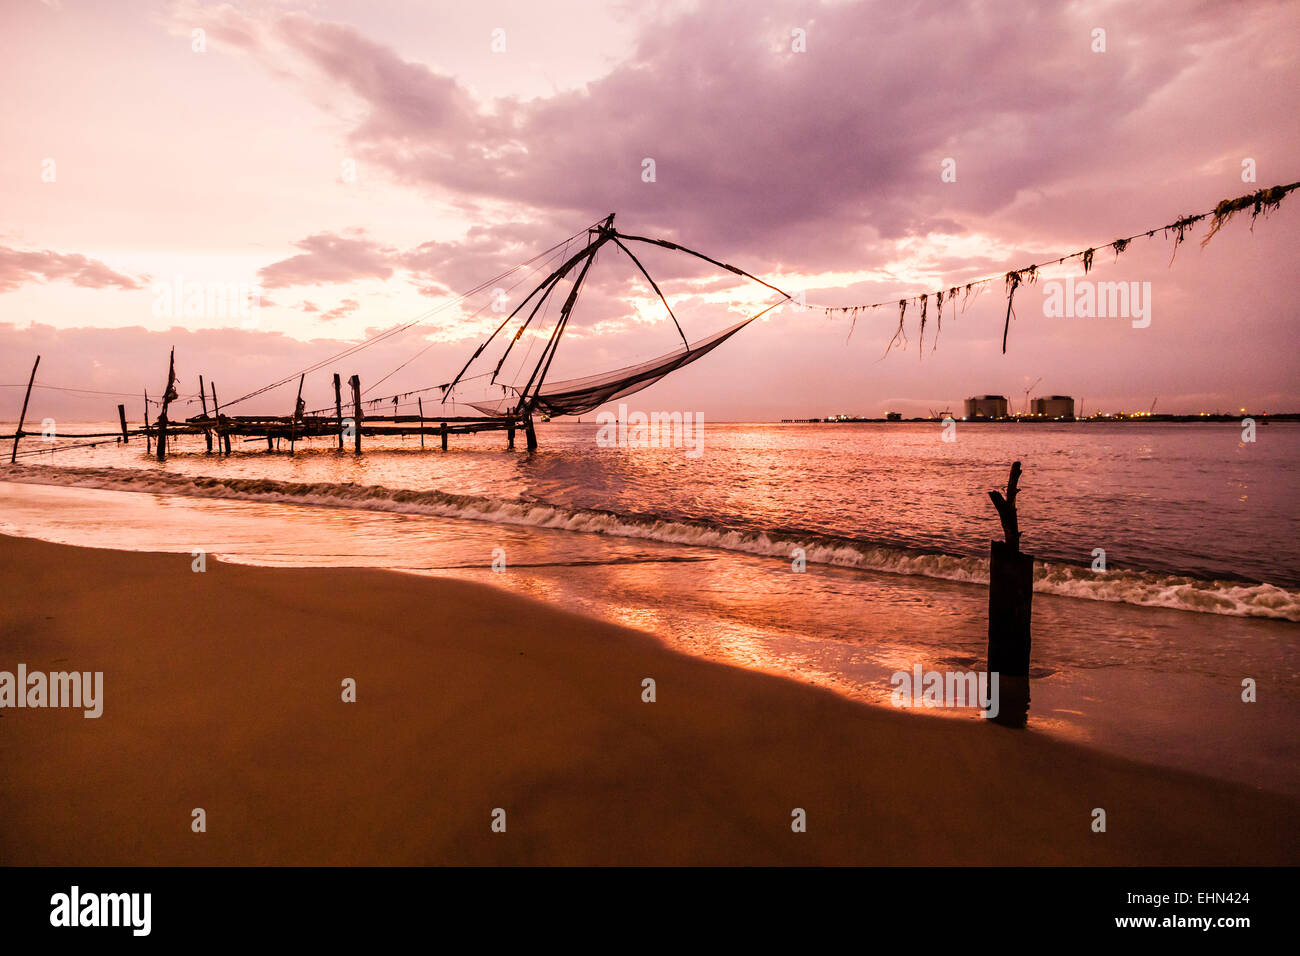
(338,408)
(529,433)
(148,442)
(121,414)
(510,435)
(1011,592)
(13,455)
(355,383)
(222,437)
(419,400)
(297,413)
(203,400)
(443,430)
(168,394)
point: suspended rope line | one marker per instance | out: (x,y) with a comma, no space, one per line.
(546,310)
(372,402)
(655,286)
(532,343)
(554,252)
(545,288)
(699,255)
(1260,203)
(83,391)
(54,448)
(396,330)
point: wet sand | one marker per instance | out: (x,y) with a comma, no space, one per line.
(222,690)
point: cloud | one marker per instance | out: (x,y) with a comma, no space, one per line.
(342,310)
(811,160)
(18,267)
(329,258)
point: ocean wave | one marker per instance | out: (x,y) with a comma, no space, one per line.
(1235,598)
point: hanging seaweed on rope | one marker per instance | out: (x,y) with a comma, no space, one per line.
(1180,227)
(938,318)
(1260,203)
(920,345)
(902,311)
(1027,274)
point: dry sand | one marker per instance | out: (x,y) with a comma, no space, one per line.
(222,690)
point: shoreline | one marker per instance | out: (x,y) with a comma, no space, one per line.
(1192,590)
(221,691)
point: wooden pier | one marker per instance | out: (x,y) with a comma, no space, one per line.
(222,429)
(219,430)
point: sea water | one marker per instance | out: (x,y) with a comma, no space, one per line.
(1168,556)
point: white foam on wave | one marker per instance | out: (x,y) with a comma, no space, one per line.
(1234,598)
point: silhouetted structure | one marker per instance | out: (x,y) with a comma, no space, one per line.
(986,406)
(1011,592)
(1052,406)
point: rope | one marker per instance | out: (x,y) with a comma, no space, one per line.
(374,340)
(1262,201)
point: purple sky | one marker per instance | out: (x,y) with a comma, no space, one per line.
(359,163)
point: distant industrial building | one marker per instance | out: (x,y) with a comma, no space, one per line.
(986,406)
(1052,406)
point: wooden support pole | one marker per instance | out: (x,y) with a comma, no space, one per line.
(203,400)
(510,436)
(1006,508)
(168,391)
(444,436)
(148,443)
(297,411)
(13,455)
(121,414)
(338,408)
(223,439)
(355,383)
(529,433)
(1011,591)
(420,401)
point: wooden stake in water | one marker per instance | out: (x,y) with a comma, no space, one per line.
(355,382)
(529,434)
(13,455)
(203,399)
(1011,592)
(168,391)
(420,401)
(148,442)
(121,414)
(338,408)
(222,439)
(297,411)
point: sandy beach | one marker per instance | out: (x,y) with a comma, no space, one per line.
(222,690)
